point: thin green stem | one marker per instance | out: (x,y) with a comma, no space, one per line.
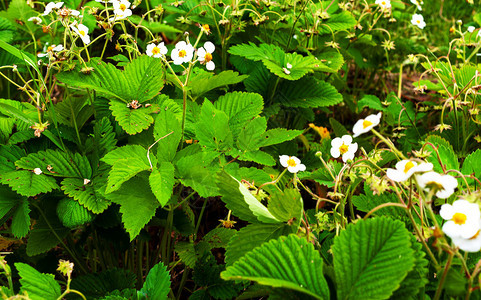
(443,277)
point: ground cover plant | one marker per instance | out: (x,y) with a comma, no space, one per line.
(195,149)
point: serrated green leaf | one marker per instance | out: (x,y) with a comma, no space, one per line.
(242,203)
(96,285)
(137,204)
(372,258)
(472,165)
(73,111)
(132,120)
(288,262)
(157,283)
(187,253)
(207,81)
(258,156)
(370,101)
(39,286)
(240,108)
(253,52)
(127,161)
(339,129)
(322,175)
(8,156)
(337,22)
(216,238)
(417,278)
(249,137)
(330,61)
(162,182)
(197,172)
(21,219)
(308,92)
(368,201)
(102,141)
(72,214)
(446,154)
(252,236)
(27,183)
(166,123)
(19,10)
(7,30)
(86,194)
(57,163)
(286,206)
(212,129)
(42,237)
(141,79)
(277,136)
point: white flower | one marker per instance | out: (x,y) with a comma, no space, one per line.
(292,163)
(472,244)
(471,28)
(121,10)
(205,55)
(37,171)
(35,20)
(406,168)
(75,13)
(50,6)
(418,4)
(365,125)
(444,185)
(384,4)
(156,51)
(343,146)
(418,20)
(463,219)
(182,53)
(82,31)
(48,50)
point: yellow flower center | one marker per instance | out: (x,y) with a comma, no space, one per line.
(459,218)
(208,57)
(366,124)
(418,21)
(344,148)
(206,27)
(82,33)
(291,162)
(182,53)
(408,166)
(123,7)
(155,51)
(383,3)
(49,49)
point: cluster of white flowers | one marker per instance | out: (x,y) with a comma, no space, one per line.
(183,52)
(463,224)
(57,7)
(344,146)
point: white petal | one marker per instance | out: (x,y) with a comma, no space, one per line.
(210,66)
(469,229)
(447,212)
(451,229)
(347,139)
(302,167)
(180,45)
(283,160)
(396,175)
(336,143)
(201,54)
(209,47)
(335,152)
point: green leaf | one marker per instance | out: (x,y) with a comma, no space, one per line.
(86,194)
(212,129)
(8,156)
(370,101)
(446,154)
(472,165)
(141,80)
(249,137)
(19,10)
(167,123)
(371,258)
(72,214)
(132,120)
(154,27)
(157,283)
(197,172)
(27,183)
(102,141)
(216,238)
(288,262)
(277,136)
(44,236)
(368,201)
(204,81)
(57,163)
(290,66)
(11,204)
(127,161)
(252,236)
(286,206)
(96,285)
(339,129)
(308,92)
(38,285)
(337,22)
(162,182)
(21,55)
(137,204)
(240,108)
(259,157)
(330,61)
(7,30)
(73,111)
(187,253)
(242,203)
(417,278)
